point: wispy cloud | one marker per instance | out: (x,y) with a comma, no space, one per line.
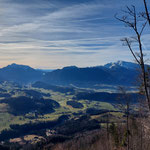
(51,34)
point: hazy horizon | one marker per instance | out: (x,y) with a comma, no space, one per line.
(66,66)
(54,34)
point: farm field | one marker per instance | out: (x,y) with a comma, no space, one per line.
(8,118)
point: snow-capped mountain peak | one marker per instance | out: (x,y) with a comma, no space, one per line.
(127,65)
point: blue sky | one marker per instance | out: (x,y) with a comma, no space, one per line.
(57,33)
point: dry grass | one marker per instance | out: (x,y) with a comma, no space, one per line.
(93,140)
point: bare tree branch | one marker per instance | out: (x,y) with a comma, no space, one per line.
(146,11)
(128,43)
(132,20)
(143,26)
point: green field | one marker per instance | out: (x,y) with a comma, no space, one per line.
(7,118)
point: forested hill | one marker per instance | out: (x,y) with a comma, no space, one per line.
(119,73)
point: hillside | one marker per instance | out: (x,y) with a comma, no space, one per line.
(119,73)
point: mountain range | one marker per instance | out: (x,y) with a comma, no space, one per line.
(117,73)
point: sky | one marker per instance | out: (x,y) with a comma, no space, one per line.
(50,34)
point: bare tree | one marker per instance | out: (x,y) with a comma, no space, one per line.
(125,102)
(146,13)
(133,20)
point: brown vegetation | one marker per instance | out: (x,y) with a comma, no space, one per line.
(98,140)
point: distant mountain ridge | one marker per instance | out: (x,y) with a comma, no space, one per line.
(17,66)
(20,73)
(117,73)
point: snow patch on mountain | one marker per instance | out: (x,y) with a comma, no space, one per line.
(127,65)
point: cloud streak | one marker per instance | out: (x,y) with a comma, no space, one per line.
(53,34)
